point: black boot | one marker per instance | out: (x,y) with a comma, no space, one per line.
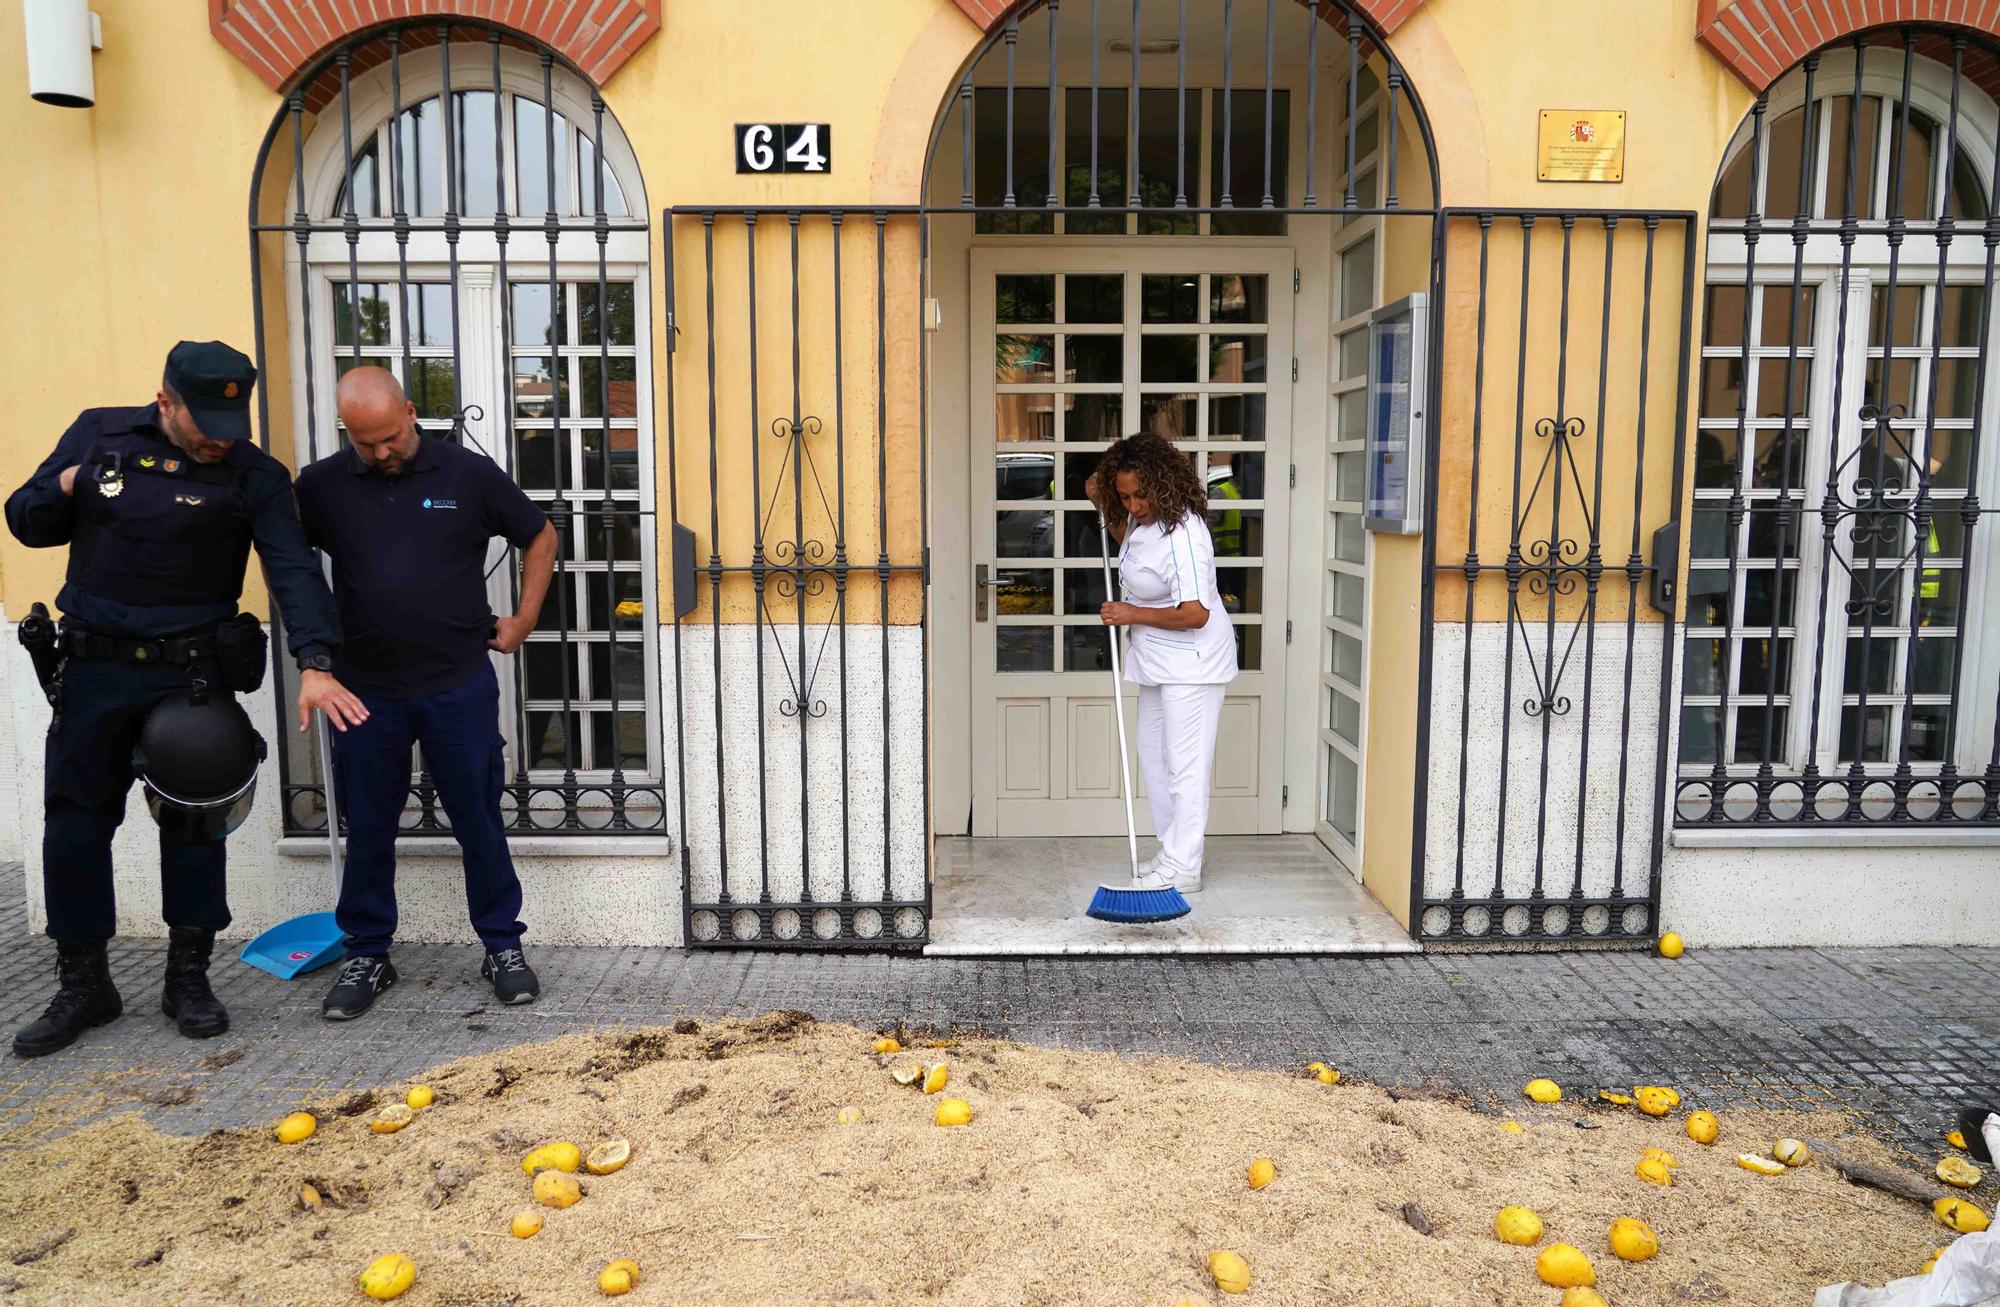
(85,997)
(187,997)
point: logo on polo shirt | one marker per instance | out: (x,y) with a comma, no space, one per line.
(440,503)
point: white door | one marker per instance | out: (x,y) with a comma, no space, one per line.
(1070,350)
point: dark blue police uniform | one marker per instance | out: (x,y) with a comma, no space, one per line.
(409,576)
(158,544)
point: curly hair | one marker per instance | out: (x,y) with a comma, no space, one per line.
(1166,478)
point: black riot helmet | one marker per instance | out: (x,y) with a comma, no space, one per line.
(198,758)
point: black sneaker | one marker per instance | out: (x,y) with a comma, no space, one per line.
(354,991)
(513,979)
(1970,1123)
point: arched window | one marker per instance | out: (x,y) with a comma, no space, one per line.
(469,253)
(1840,651)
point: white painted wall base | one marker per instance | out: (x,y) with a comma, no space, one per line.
(765,820)
(1744,897)
(597,889)
(1491,711)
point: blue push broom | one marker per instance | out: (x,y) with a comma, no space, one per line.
(1127,904)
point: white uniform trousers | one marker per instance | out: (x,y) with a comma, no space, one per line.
(1176,747)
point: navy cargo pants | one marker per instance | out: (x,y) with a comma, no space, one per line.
(459,731)
(88,772)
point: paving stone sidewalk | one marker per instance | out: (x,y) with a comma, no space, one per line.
(1900,1035)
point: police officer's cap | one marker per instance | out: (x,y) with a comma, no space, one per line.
(213,381)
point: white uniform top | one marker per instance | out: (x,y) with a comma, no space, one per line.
(1163,569)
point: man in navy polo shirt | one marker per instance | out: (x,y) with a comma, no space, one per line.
(406,519)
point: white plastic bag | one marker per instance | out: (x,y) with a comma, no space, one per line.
(1968,1275)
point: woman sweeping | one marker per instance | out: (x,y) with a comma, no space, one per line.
(1180,651)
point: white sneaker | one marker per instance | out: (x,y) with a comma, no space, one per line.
(1151,877)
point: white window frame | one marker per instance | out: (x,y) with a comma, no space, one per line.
(485,375)
(1979,121)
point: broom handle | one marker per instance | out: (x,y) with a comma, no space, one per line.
(332,807)
(1118,709)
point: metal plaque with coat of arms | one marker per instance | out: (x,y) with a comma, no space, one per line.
(1581,145)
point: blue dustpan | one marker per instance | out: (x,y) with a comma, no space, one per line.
(292,948)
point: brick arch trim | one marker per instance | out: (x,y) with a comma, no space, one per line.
(280,39)
(1386,15)
(1761,40)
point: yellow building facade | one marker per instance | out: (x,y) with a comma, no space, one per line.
(1601,537)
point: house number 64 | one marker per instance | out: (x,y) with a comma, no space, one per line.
(784,147)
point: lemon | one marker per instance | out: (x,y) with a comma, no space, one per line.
(392,1118)
(618,1278)
(908,1074)
(849,1115)
(1580,1295)
(1662,1155)
(1931,1265)
(1543,1091)
(1792,1152)
(556,1156)
(1702,1127)
(1623,1100)
(1653,1171)
(1960,1215)
(1653,1101)
(1671,946)
(557,1189)
(420,1097)
(388,1276)
(1957,1172)
(1329,1076)
(1633,1240)
(608,1156)
(1513,1127)
(1518,1226)
(953,1111)
(525,1225)
(888,1044)
(1315,1067)
(1955,1139)
(1761,1165)
(1564,1266)
(935,1078)
(297,1127)
(1672,1097)
(1232,1273)
(1262,1172)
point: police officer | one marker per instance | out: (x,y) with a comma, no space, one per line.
(160,506)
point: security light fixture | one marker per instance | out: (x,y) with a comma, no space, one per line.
(61,35)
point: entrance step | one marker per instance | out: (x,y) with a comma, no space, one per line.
(1262,894)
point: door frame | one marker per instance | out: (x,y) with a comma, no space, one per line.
(1136,256)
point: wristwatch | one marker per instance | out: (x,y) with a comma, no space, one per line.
(318,662)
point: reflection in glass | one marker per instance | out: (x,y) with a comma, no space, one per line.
(1030,299)
(1086,649)
(1024,649)
(1168,358)
(1094,297)
(1022,534)
(1170,297)
(1236,417)
(1023,358)
(1093,358)
(1093,417)
(1024,592)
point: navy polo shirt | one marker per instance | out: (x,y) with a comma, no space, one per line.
(409,562)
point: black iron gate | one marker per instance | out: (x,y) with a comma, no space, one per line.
(1550,564)
(799,515)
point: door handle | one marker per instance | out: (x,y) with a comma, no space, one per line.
(981,583)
